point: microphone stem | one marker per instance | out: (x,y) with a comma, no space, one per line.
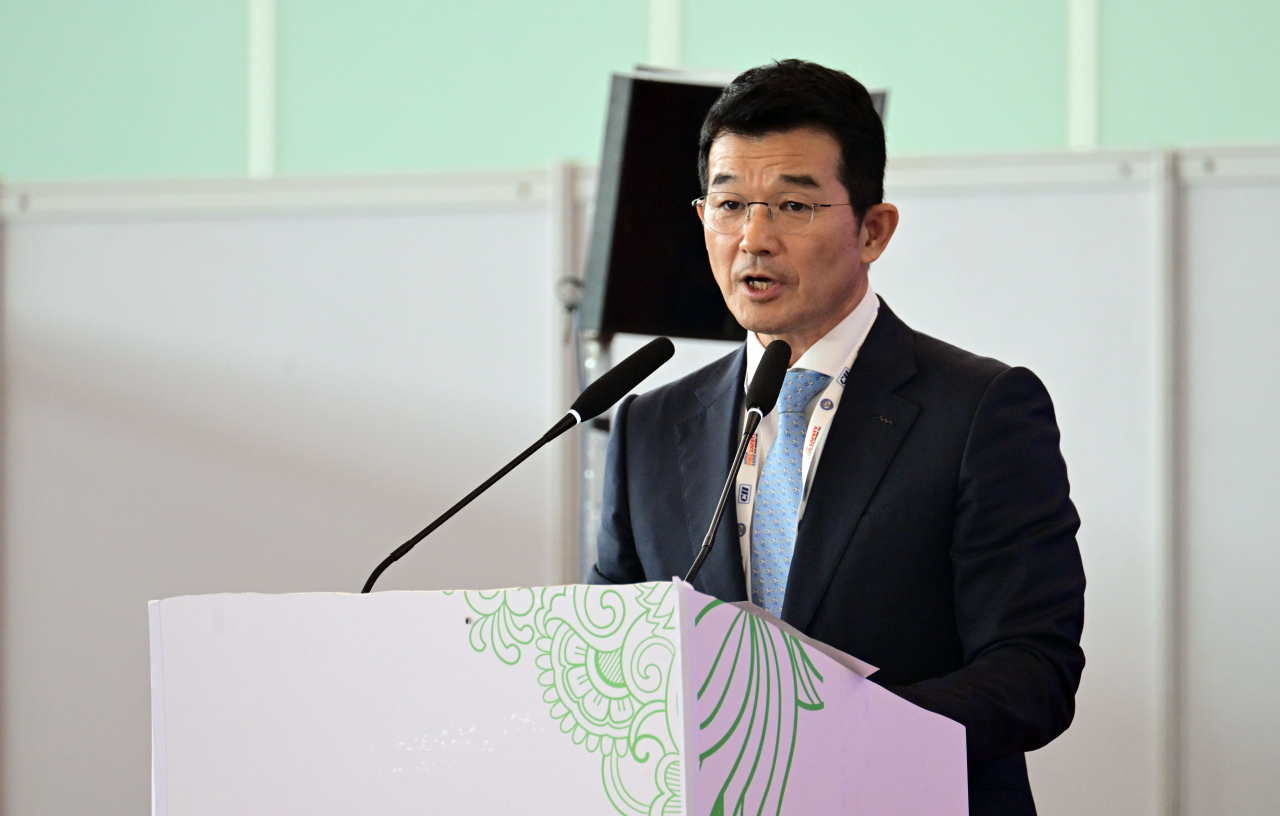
(566,422)
(753,420)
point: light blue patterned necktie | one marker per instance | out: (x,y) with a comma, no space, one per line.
(773,523)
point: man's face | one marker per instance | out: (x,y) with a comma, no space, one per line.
(797,287)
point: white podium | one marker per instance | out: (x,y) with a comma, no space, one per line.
(639,700)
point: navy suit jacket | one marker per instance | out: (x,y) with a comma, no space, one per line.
(938,542)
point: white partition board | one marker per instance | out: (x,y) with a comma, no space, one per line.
(1231,737)
(217,403)
(261,401)
(1061,281)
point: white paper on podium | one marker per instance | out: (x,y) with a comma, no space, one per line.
(645,699)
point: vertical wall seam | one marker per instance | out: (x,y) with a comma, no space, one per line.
(666,33)
(564,558)
(1083,30)
(1170,481)
(6,760)
(262,84)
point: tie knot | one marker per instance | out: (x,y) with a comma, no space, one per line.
(798,388)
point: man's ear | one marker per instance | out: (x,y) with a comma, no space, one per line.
(878,226)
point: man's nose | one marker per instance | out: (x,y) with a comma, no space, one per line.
(759,236)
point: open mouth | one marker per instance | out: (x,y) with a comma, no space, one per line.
(759,284)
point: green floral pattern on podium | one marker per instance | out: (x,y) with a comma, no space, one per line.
(760,681)
(605,657)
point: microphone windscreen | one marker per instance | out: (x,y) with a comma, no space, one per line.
(618,381)
(767,382)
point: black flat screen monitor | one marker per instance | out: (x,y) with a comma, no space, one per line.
(647,270)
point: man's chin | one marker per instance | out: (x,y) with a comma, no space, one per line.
(771,325)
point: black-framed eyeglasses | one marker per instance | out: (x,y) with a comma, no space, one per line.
(727,213)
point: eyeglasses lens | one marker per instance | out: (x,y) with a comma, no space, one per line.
(727,213)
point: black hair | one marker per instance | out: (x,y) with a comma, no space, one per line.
(794,94)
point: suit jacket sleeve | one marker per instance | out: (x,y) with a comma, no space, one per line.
(616,558)
(1019,581)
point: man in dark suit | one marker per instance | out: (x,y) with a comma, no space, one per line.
(911,506)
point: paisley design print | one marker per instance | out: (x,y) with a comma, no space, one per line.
(606,660)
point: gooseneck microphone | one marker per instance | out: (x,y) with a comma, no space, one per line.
(762,394)
(594,400)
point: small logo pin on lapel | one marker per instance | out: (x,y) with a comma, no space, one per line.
(884,419)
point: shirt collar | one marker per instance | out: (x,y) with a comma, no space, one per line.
(833,349)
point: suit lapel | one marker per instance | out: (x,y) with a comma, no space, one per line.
(705,443)
(869,425)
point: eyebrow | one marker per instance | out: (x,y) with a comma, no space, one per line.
(806,181)
(803,180)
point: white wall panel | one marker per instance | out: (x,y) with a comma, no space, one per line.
(1061,281)
(1232,589)
(267,404)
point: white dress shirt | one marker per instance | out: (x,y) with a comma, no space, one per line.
(831,355)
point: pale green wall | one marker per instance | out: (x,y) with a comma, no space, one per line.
(1190,72)
(962,76)
(147,88)
(121,88)
(386,85)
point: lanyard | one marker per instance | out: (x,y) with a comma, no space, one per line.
(749,474)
